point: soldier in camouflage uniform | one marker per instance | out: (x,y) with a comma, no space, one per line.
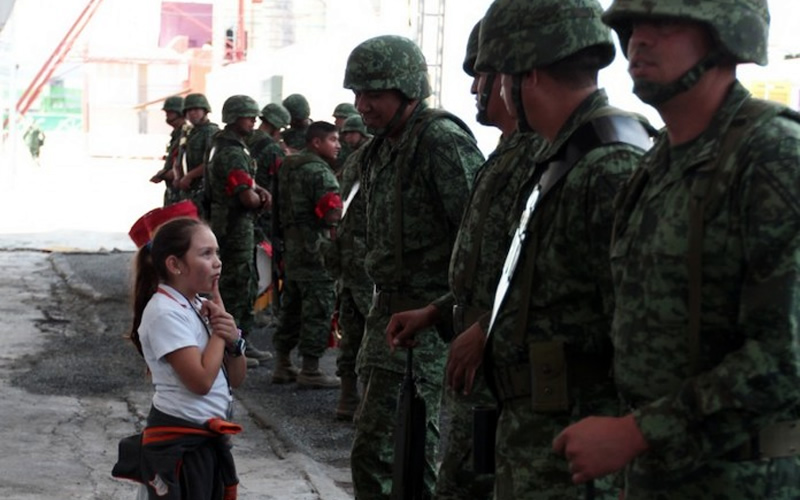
(265,148)
(706,261)
(295,136)
(235,201)
(190,168)
(354,133)
(475,266)
(547,346)
(353,286)
(310,208)
(417,174)
(341,113)
(173,115)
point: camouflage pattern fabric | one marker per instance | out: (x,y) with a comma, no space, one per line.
(269,157)
(305,179)
(746,376)
(197,145)
(353,309)
(353,286)
(484,235)
(377,417)
(295,138)
(741,27)
(304,319)
(438,164)
(171,194)
(571,299)
(232,224)
(308,298)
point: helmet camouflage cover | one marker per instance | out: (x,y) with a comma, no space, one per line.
(239,106)
(344,110)
(388,62)
(193,101)
(298,106)
(276,115)
(740,27)
(354,123)
(173,103)
(519,35)
(472,50)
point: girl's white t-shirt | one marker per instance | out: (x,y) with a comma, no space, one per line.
(170,322)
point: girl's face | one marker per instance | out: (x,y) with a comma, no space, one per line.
(199,269)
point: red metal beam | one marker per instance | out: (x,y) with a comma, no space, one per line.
(56,58)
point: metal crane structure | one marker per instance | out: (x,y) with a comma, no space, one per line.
(52,63)
(430,38)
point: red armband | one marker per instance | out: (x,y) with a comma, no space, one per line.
(236,179)
(276,165)
(330,201)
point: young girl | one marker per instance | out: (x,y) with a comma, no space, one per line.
(195,355)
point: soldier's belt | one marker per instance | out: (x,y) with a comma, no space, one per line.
(390,302)
(549,375)
(465,316)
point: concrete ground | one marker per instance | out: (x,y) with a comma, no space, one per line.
(62,355)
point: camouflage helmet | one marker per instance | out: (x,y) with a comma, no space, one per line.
(354,123)
(298,106)
(740,27)
(193,101)
(344,110)
(276,115)
(472,50)
(239,106)
(388,62)
(519,35)
(173,103)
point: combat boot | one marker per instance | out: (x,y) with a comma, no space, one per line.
(310,377)
(285,372)
(348,399)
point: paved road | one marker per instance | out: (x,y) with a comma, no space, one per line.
(72,387)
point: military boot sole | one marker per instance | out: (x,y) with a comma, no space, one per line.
(317,382)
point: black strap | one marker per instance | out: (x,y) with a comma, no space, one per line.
(601,131)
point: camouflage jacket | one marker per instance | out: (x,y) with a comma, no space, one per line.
(231,171)
(307,186)
(489,220)
(268,155)
(197,144)
(564,260)
(746,374)
(351,235)
(410,237)
(435,184)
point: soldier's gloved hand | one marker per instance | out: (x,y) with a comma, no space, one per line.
(464,358)
(598,446)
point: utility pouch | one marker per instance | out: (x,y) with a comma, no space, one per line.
(549,388)
(484,430)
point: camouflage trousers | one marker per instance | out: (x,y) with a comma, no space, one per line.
(457,479)
(774,479)
(372,455)
(354,305)
(238,286)
(304,320)
(527,468)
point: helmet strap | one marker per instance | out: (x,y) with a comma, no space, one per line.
(658,93)
(516,97)
(483,99)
